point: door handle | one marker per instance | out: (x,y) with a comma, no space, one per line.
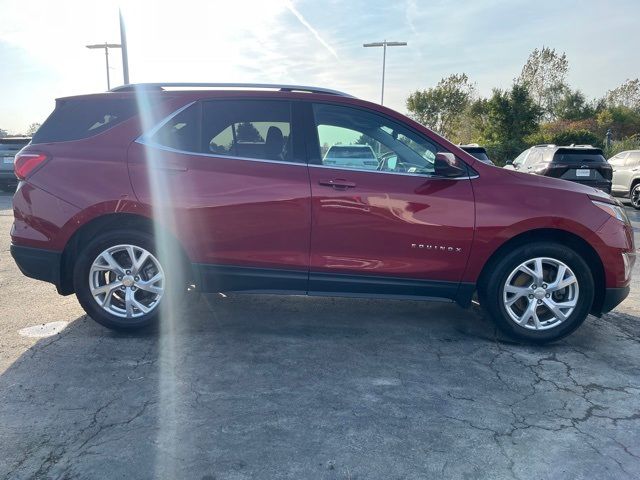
(337,183)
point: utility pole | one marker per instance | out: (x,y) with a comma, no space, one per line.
(384,46)
(125,52)
(106,47)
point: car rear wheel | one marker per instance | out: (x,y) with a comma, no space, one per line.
(539,292)
(635,196)
(121,283)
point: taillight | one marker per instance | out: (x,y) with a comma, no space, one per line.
(27,163)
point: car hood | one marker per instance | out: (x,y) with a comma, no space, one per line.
(559,184)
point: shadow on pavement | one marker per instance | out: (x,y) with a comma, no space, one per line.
(304,388)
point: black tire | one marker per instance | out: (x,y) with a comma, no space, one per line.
(490,291)
(634,196)
(175,279)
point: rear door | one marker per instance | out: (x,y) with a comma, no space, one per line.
(397,229)
(230,178)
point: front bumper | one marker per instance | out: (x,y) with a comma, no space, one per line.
(613,297)
(38,263)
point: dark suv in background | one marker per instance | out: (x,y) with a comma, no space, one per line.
(577,163)
(9,146)
(477,151)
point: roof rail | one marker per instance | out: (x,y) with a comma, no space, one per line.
(282,88)
(545,145)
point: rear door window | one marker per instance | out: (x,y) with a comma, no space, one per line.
(255,129)
(75,119)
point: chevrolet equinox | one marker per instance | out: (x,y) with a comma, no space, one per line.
(126,197)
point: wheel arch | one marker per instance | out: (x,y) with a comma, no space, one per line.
(94,227)
(563,237)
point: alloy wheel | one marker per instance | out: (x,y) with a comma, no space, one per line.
(635,196)
(540,293)
(127,281)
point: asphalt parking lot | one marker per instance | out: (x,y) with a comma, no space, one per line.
(248,387)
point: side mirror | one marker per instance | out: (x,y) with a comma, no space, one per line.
(509,162)
(446,165)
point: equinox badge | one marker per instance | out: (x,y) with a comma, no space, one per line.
(440,248)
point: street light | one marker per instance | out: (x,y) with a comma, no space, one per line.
(384,44)
(106,47)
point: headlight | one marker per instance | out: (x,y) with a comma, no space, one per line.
(613,210)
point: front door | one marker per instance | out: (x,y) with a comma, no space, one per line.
(383,222)
(229,178)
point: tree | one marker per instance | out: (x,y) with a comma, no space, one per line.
(246,132)
(573,105)
(510,117)
(3,133)
(33,128)
(441,108)
(544,77)
(626,95)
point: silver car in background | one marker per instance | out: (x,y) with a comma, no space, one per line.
(351,156)
(626,176)
(9,146)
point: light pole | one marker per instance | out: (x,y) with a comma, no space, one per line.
(125,52)
(384,45)
(106,47)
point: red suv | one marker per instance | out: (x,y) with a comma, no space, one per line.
(126,197)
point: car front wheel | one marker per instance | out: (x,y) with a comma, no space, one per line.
(538,292)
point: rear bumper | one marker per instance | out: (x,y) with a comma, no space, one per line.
(38,263)
(613,297)
(8,177)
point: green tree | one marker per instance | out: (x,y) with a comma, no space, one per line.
(511,116)
(626,95)
(441,108)
(573,105)
(544,75)
(246,132)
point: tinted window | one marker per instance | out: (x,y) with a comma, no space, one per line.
(74,119)
(11,146)
(579,156)
(395,148)
(247,128)
(182,131)
(479,153)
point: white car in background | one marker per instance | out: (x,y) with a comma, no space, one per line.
(351,156)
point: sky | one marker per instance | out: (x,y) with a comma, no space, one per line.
(307,42)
